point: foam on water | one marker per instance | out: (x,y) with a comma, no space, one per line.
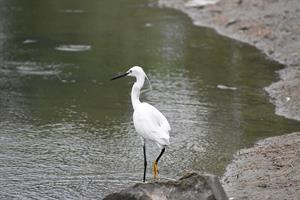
(73,48)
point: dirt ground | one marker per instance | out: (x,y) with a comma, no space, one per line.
(269,170)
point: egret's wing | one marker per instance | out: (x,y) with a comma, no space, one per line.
(151,124)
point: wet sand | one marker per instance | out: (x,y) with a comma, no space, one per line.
(269,170)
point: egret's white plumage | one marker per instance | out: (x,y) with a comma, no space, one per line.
(149,122)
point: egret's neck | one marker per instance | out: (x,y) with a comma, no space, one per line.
(136,90)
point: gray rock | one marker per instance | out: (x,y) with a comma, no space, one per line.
(191,186)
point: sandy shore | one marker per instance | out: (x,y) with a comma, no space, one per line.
(269,170)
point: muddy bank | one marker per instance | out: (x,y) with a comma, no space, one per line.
(272,26)
(269,170)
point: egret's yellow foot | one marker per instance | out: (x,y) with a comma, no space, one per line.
(155,170)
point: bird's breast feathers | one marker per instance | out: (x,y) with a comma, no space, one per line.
(150,123)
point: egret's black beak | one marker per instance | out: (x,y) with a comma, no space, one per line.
(120,76)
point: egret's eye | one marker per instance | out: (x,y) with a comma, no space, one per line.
(130,71)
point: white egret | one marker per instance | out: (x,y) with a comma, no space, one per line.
(149,122)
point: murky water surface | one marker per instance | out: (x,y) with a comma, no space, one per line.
(66,130)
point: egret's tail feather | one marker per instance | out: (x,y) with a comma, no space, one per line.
(161,142)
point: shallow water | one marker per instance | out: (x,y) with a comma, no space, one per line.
(66,130)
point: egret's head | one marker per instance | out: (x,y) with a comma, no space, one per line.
(134,71)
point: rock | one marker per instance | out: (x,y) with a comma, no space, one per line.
(200,3)
(192,186)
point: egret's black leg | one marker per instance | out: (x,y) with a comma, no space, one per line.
(145,162)
(161,153)
(155,166)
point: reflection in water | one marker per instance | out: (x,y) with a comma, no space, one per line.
(65,129)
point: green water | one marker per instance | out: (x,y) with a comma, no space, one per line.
(66,130)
